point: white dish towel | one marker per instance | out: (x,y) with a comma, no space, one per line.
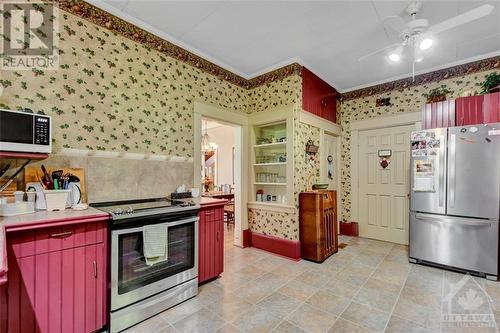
(155,242)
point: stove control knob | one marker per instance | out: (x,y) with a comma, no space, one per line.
(129,210)
(118,211)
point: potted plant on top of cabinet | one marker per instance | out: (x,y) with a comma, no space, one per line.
(491,84)
(437,94)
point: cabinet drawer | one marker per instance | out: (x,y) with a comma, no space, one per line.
(212,213)
(32,242)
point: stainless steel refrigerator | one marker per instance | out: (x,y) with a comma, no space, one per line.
(455,198)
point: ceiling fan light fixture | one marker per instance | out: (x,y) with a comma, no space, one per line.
(426,44)
(394,57)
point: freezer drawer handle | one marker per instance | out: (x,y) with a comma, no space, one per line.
(456,222)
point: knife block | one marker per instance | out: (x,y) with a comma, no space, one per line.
(318,224)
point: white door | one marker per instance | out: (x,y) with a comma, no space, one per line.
(330,161)
(383,193)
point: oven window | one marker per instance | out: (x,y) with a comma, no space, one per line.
(16,127)
(134,273)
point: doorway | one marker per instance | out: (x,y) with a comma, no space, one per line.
(218,147)
(384,163)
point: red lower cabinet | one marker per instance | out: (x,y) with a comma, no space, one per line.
(56,279)
(211,243)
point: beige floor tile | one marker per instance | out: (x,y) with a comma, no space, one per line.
(288,327)
(229,328)
(329,302)
(270,263)
(202,321)
(257,320)
(369,257)
(260,288)
(229,307)
(315,279)
(151,325)
(182,310)
(380,246)
(279,304)
(422,297)
(355,273)
(311,319)
(366,316)
(344,326)
(381,295)
(426,316)
(398,325)
(209,293)
(392,272)
(342,287)
(298,290)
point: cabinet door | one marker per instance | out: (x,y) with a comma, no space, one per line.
(211,243)
(219,242)
(60,291)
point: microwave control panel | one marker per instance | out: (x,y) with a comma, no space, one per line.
(42,130)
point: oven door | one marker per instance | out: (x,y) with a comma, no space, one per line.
(133,280)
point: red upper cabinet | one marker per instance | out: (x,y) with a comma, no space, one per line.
(472,110)
(318,97)
(438,114)
(482,109)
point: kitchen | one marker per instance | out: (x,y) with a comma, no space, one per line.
(125,105)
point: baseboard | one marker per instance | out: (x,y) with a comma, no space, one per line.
(283,247)
(247,238)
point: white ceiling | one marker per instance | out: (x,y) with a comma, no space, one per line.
(253,37)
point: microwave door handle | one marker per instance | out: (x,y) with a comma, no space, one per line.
(441,170)
(452,167)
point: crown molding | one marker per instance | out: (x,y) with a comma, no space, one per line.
(433,76)
(131,31)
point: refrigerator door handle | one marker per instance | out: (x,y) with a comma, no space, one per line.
(453,148)
(458,221)
(441,171)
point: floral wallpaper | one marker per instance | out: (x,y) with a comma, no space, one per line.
(275,94)
(279,224)
(405,100)
(113,94)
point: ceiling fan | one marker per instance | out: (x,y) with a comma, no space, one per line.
(416,36)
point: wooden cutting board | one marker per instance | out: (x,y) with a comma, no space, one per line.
(34,174)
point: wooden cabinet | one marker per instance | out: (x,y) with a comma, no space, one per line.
(481,109)
(318,97)
(472,110)
(57,278)
(318,224)
(438,114)
(211,243)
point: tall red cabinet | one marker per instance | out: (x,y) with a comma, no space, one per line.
(211,242)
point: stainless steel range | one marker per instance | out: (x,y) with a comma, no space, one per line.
(140,289)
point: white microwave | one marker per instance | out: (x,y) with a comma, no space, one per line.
(25,132)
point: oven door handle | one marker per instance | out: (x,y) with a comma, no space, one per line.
(137,229)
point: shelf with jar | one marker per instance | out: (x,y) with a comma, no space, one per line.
(271,168)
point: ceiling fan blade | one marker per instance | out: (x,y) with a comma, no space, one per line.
(378,51)
(464,18)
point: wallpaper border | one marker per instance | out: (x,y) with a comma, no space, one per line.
(111,22)
(442,74)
